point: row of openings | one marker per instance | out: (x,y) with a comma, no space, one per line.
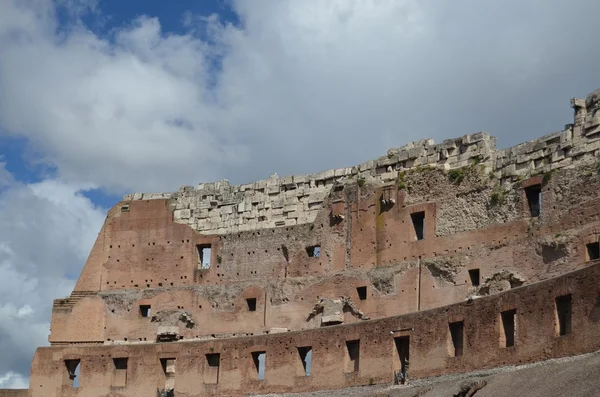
(211,373)
(534,201)
(146,310)
(119,374)
(508,332)
(204,254)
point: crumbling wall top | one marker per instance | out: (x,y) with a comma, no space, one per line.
(221,208)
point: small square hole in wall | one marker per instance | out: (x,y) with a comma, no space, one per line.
(593,251)
(362,293)
(125,208)
(145,310)
(418,221)
(251,304)
(474,276)
(314,251)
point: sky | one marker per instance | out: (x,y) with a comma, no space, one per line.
(99,98)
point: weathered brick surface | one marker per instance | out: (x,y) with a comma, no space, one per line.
(264,290)
(536,339)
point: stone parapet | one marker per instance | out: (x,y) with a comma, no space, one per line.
(222,208)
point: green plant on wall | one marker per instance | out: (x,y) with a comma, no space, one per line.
(498,197)
(361,181)
(401,181)
(456,175)
(547,176)
(285,252)
(219,259)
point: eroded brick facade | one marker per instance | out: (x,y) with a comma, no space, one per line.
(448,257)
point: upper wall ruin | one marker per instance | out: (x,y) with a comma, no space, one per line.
(221,208)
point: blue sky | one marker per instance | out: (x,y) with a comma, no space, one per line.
(111,15)
(99,98)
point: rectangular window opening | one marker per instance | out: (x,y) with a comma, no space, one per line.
(564,313)
(352,356)
(120,372)
(73,372)
(204,251)
(474,276)
(508,328)
(593,251)
(418,221)
(457,330)
(251,302)
(314,251)
(400,365)
(213,363)
(145,310)
(168,367)
(534,199)
(306,358)
(259,363)
(362,293)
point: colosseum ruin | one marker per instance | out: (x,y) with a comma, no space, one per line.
(432,259)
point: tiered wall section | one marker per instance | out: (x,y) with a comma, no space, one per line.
(431,350)
(282,261)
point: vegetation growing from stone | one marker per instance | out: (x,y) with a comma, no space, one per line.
(456,175)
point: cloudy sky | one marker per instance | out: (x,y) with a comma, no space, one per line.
(103,97)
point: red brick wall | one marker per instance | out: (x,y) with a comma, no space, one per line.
(536,339)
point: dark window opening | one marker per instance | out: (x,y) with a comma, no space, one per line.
(306,358)
(474,276)
(534,199)
(259,363)
(457,330)
(314,251)
(362,293)
(73,372)
(213,361)
(125,208)
(402,345)
(418,221)
(353,356)
(508,328)
(145,310)
(120,373)
(593,251)
(563,312)
(203,256)
(251,304)
(168,367)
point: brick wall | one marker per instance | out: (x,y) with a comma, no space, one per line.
(536,337)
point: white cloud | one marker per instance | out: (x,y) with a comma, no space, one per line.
(303,86)
(46,233)
(12,380)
